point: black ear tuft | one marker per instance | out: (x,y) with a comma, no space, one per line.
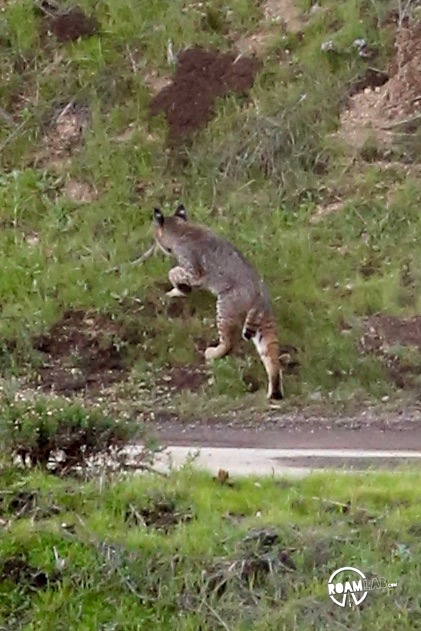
(181,212)
(158,216)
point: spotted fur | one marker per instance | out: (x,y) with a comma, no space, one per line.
(208,261)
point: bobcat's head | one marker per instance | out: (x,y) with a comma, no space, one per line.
(167,230)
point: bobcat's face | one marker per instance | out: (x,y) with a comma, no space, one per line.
(168,229)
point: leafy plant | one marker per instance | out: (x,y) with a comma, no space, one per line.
(37,431)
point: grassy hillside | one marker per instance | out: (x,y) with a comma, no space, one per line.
(190,554)
(334,230)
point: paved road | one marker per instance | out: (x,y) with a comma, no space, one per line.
(293,451)
(289,462)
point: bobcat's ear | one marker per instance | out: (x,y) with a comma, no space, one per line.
(158,216)
(181,212)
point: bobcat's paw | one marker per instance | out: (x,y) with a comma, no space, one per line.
(175,293)
(211,353)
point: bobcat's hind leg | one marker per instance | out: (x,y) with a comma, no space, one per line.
(181,281)
(261,328)
(268,349)
(228,328)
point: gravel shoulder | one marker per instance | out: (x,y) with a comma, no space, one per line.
(370,429)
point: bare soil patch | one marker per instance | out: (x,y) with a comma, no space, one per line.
(69,24)
(156,82)
(323,211)
(285,11)
(386,331)
(161,514)
(384,335)
(189,377)
(17,570)
(80,192)
(256,43)
(201,76)
(392,106)
(24,504)
(277,13)
(82,351)
(63,135)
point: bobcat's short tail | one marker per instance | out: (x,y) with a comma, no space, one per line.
(251,324)
(260,327)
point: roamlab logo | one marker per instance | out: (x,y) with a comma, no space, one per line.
(350,585)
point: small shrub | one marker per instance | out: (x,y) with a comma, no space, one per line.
(36,431)
(371,151)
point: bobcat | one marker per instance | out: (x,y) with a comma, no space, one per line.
(213,263)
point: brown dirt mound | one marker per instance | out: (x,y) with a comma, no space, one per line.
(202,76)
(386,109)
(82,352)
(383,335)
(72,24)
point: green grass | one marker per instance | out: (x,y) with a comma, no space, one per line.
(267,213)
(76,555)
(99,568)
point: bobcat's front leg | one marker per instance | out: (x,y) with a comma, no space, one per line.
(182,281)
